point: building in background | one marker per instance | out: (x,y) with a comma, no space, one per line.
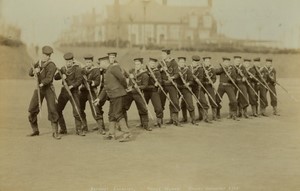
(144,22)
(156,23)
(85,28)
(149,22)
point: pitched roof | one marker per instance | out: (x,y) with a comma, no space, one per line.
(133,11)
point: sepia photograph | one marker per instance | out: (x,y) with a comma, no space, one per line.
(149,95)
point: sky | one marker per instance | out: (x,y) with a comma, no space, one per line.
(42,21)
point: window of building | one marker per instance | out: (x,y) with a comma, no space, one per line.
(193,21)
(161,32)
(174,32)
(207,21)
(149,30)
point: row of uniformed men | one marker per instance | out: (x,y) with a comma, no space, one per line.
(156,81)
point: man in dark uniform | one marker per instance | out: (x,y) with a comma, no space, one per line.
(241,78)
(183,82)
(251,75)
(72,75)
(226,86)
(44,71)
(141,78)
(152,90)
(271,80)
(208,75)
(170,66)
(101,95)
(262,90)
(115,86)
(197,71)
(91,81)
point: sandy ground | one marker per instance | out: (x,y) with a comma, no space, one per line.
(253,154)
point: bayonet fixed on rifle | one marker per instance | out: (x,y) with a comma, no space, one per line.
(249,84)
(233,82)
(264,81)
(136,86)
(70,94)
(190,90)
(200,84)
(88,87)
(160,87)
(37,87)
(210,81)
(291,96)
(172,81)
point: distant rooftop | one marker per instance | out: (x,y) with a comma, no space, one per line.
(133,11)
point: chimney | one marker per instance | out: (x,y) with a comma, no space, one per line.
(164,2)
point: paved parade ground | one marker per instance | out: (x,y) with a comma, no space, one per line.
(258,154)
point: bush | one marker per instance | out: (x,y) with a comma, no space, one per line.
(10,42)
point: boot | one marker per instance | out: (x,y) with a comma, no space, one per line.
(62,125)
(205,116)
(218,113)
(233,116)
(35,130)
(140,125)
(84,125)
(126,137)
(55,134)
(230,114)
(126,118)
(184,116)
(245,113)
(146,127)
(275,112)
(200,111)
(101,128)
(214,114)
(254,111)
(175,119)
(193,118)
(63,132)
(78,128)
(111,133)
(124,128)
(159,122)
(239,112)
(145,122)
(170,121)
(34,133)
(263,112)
(80,132)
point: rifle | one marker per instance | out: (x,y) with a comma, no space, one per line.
(38,88)
(99,91)
(88,87)
(291,96)
(248,83)
(226,72)
(199,83)
(70,94)
(173,83)
(160,87)
(210,81)
(264,81)
(143,98)
(190,90)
